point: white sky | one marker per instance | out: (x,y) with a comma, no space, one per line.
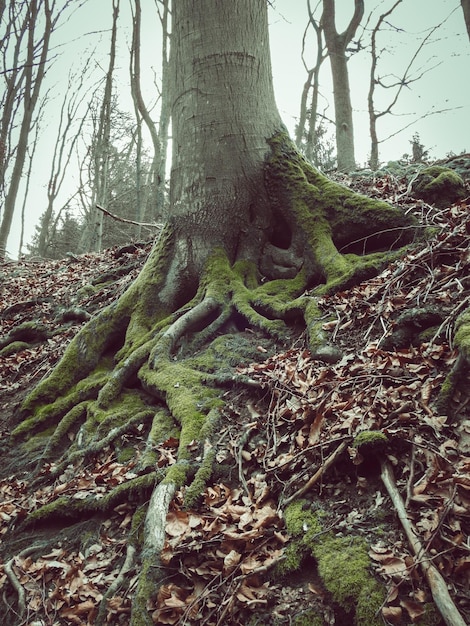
(444,87)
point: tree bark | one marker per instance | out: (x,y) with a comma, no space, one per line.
(216,189)
(466,14)
(337,44)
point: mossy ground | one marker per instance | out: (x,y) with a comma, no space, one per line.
(343,564)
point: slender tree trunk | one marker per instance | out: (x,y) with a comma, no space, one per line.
(165,114)
(466,14)
(93,232)
(373,115)
(307,126)
(63,150)
(337,44)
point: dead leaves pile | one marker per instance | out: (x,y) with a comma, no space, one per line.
(223,554)
(66,586)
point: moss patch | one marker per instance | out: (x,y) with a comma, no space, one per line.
(343,564)
(439,185)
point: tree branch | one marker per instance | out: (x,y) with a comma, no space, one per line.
(435,581)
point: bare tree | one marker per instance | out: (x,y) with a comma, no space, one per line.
(64,148)
(25,54)
(394,83)
(93,231)
(306,132)
(160,137)
(337,44)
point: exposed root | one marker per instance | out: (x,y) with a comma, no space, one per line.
(151,361)
(117,583)
(12,577)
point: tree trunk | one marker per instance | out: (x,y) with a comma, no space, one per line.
(466,14)
(32,87)
(306,131)
(337,44)
(222,75)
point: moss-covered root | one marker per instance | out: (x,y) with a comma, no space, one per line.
(460,370)
(151,571)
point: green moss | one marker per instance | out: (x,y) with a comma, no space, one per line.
(14,346)
(331,215)
(370,441)
(462,333)
(301,521)
(343,564)
(308,618)
(136,536)
(80,359)
(125,455)
(439,185)
(143,298)
(146,588)
(196,488)
(292,559)
(162,428)
(177,473)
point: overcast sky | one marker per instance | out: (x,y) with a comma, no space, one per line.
(444,86)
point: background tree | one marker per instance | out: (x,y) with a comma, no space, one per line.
(159,137)
(25,56)
(93,232)
(254,237)
(393,83)
(307,132)
(466,14)
(66,141)
(337,44)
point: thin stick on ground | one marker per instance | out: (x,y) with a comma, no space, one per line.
(436,583)
(318,474)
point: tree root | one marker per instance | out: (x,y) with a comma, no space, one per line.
(436,583)
(143,342)
(119,580)
(12,577)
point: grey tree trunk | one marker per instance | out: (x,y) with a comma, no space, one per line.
(306,132)
(223,112)
(93,233)
(466,14)
(337,44)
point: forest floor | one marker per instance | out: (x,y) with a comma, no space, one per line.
(289,435)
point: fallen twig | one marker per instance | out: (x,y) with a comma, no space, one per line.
(318,474)
(436,582)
